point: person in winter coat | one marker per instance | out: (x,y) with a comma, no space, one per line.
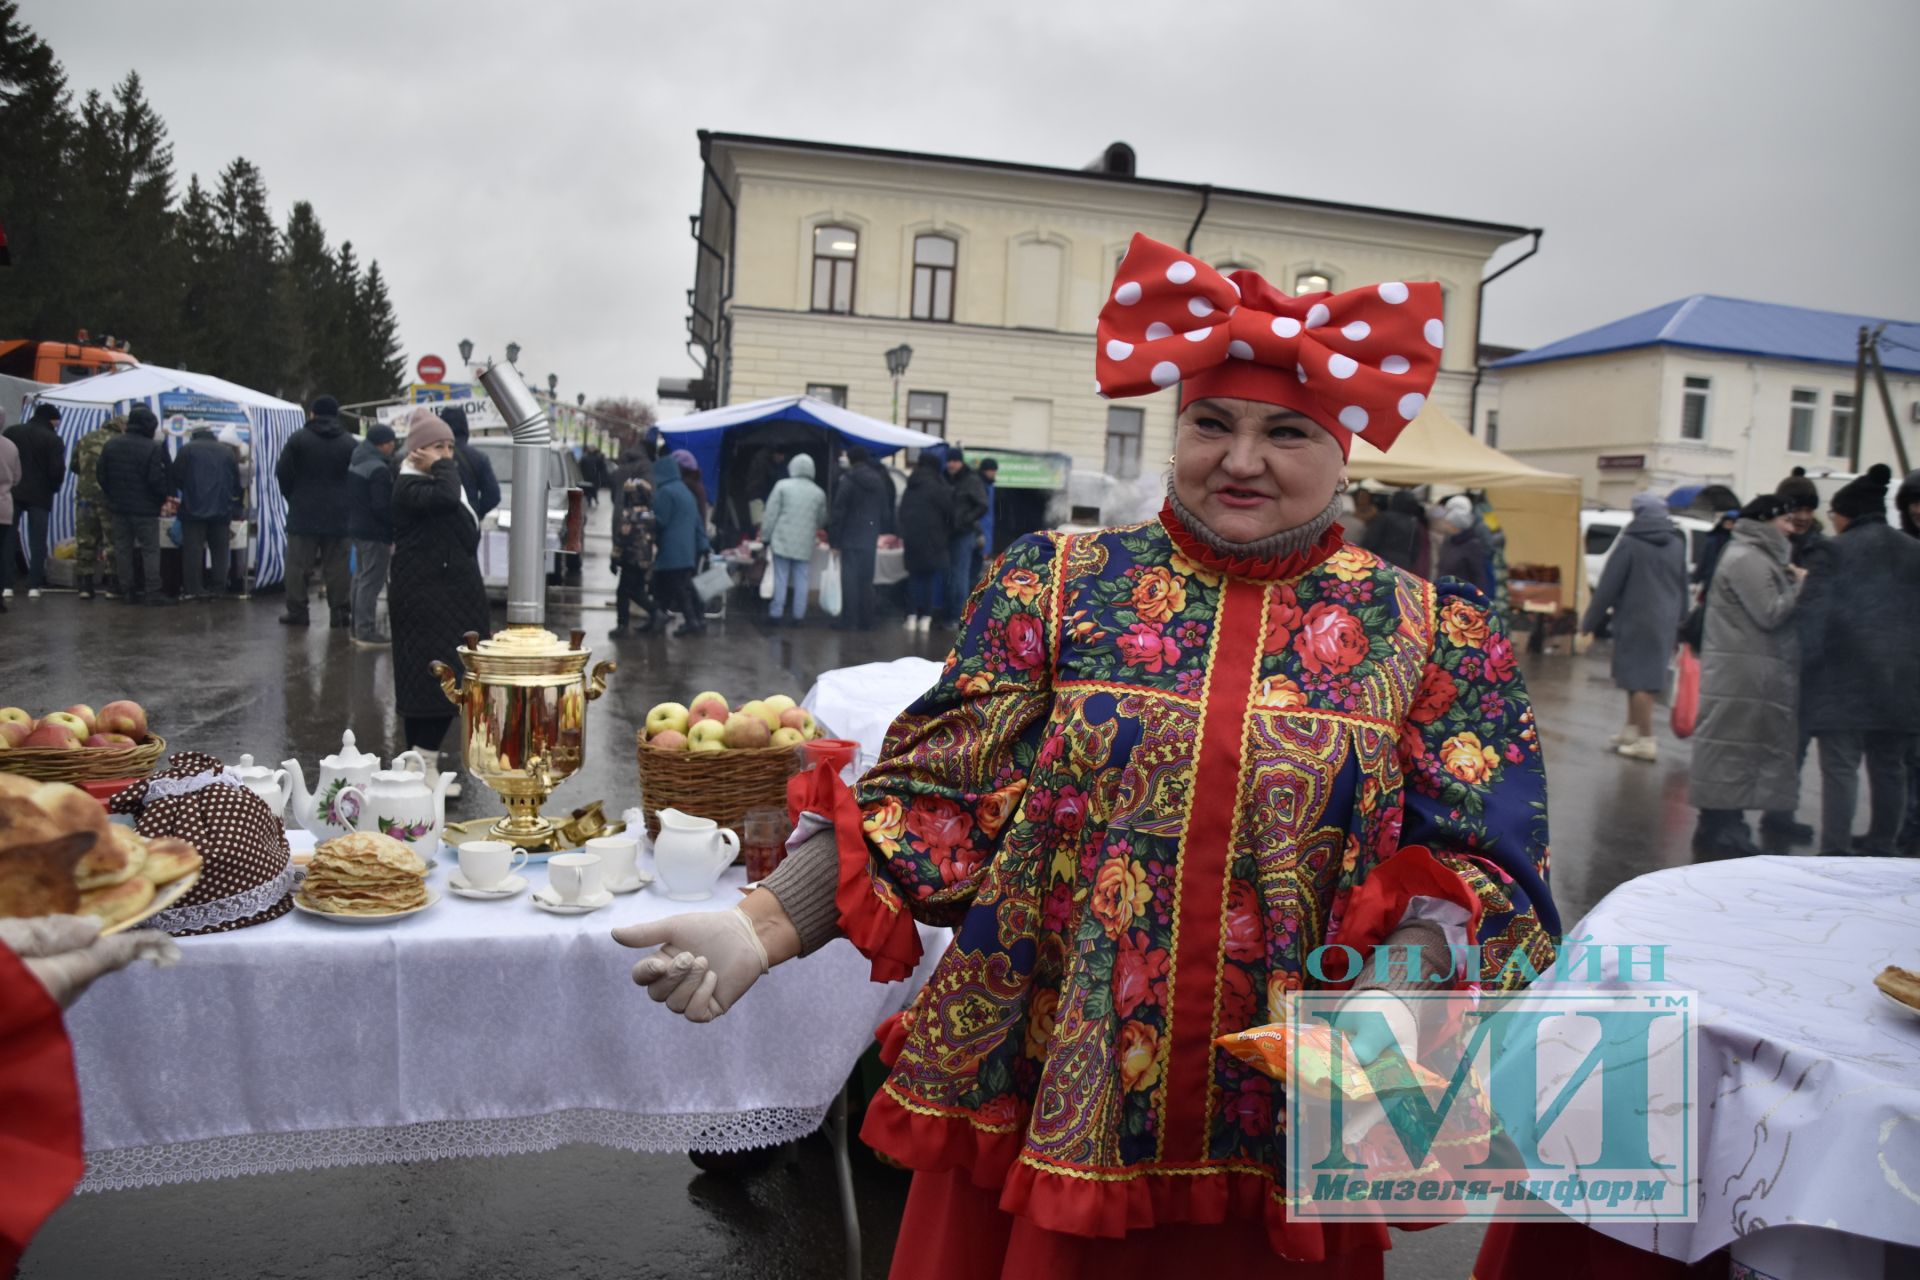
(370,525)
(92,523)
(136,483)
(926,531)
(1746,744)
(969,508)
(1906,503)
(796,513)
(680,539)
(1712,547)
(989,470)
(1462,554)
(633,539)
(862,512)
(696,485)
(436,594)
(313,478)
(9,476)
(1860,684)
(1641,599)
(1807,532)
(1397,533)
(43,469)
(207,476)
(476,469)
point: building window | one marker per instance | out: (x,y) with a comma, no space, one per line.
(1125,428)
(1693,409)
(1034,301)
(829,392)
(1312,282)
(1840,426)
(835,251)
(1493,428)
(933,263)
(927,411)
(1806,407)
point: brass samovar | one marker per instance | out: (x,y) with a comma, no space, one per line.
(523,705)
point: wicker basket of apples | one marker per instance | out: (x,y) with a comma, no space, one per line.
(79,744)
(705,758)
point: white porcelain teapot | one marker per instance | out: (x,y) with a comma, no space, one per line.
(330,809)
(399,803)
(690,853)
(269,784)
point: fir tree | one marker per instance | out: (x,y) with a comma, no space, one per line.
(245,322)
(36,128)
(384,363)
(313,307)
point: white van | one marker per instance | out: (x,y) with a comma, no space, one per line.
(1600,528)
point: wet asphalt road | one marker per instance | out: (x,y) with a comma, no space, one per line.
(226,678)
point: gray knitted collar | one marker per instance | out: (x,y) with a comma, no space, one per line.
(1274,547)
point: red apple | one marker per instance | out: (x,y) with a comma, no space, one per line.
(74,724)
(668,740)
(51,735)
(86,715)
(125,717)
(115,741)
(13,732)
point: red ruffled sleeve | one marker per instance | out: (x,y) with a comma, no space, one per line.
(40,1153)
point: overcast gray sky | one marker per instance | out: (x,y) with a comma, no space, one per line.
(524,171)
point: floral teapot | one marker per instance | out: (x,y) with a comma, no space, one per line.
(399,803)
(330,809)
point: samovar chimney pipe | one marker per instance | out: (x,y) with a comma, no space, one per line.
(527,541)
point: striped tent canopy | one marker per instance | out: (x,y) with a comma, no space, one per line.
(84,405)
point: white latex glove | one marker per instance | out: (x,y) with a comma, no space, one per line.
(66,953)
(706,961)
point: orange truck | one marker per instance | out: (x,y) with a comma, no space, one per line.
(29,366)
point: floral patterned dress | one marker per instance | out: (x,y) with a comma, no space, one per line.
(1148,783)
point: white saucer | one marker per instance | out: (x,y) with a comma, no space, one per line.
(639,881)
(582,908)
(505,889)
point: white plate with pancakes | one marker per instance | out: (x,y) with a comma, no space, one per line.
(364,877)
(366,917)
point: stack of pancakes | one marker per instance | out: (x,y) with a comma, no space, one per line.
(60,855)
(364,873)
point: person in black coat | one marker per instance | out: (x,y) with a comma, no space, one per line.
(43,469)
(861,511)
(436,594)
(136,482)
(633,540)
(926,530)
(207,474)
(1860,674)
(1395,534)
(1462,554)
(313,478)
(476,468)
(370,524)
(969,508)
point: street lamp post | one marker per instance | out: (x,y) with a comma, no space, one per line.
(466,351)
(897,360)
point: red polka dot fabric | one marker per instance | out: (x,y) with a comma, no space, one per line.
(241,841)
(1358,363)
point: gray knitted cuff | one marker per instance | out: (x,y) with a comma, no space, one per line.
(804,882)
(1435,960)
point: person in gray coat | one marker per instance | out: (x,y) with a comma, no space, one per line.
(1641,599)
(1746,748)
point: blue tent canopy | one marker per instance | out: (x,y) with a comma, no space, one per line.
(704,434)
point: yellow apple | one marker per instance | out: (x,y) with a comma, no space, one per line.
(708,744)
(668,717)
(759,711)
(68,721)
(706,735)
(780,702)
(86,715)
(788,737)
(15,715)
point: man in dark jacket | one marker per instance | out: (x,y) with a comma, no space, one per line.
(680,539)
(1807,533)
(136,482)
(862,510)
(1860,682)
(43,469)
(1462,554)
(969,506)
(370,524)
(1396,533)
(476,469)
(207,475)
(313,477)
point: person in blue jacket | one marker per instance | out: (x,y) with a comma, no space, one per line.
(680,541)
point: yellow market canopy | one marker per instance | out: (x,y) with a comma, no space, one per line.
(1538,510)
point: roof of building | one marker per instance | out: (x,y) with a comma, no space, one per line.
(1736,326)
(1096,175)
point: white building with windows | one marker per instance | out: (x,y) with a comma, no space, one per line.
(815,260)
(1704,390)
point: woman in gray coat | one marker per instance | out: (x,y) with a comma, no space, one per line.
(1644,589)
(1746,748)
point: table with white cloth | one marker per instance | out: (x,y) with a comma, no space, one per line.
(1808,1102)
(469,1029)
(861,703)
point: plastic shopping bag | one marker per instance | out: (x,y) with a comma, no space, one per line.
(1686,694)
(713,581)
(830,586)
(766,580)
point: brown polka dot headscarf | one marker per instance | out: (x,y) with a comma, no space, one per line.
(247,872)
(1358,363)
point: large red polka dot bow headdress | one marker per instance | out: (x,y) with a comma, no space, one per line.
(1358,363)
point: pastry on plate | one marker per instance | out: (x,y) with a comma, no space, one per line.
(169,858)
(1902,984)
(117,903)
(37,879)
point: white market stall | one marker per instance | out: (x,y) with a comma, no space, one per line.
(269,420)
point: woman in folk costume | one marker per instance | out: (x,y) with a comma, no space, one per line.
(1163,764)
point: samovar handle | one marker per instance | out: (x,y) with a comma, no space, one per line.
(449,681)
(601,670)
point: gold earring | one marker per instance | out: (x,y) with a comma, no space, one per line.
(1169,459)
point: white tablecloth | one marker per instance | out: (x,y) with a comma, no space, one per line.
(1809,1086)
(861,703)
(472,1028)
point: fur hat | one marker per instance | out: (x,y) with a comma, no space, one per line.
(1865,495)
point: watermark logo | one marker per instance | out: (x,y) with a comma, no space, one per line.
(1545,1103)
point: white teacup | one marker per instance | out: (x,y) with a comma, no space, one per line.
(486,864)
(574,877)
(617,855)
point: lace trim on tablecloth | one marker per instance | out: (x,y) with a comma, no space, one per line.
(207,915)
(163,787)
(255,1153)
